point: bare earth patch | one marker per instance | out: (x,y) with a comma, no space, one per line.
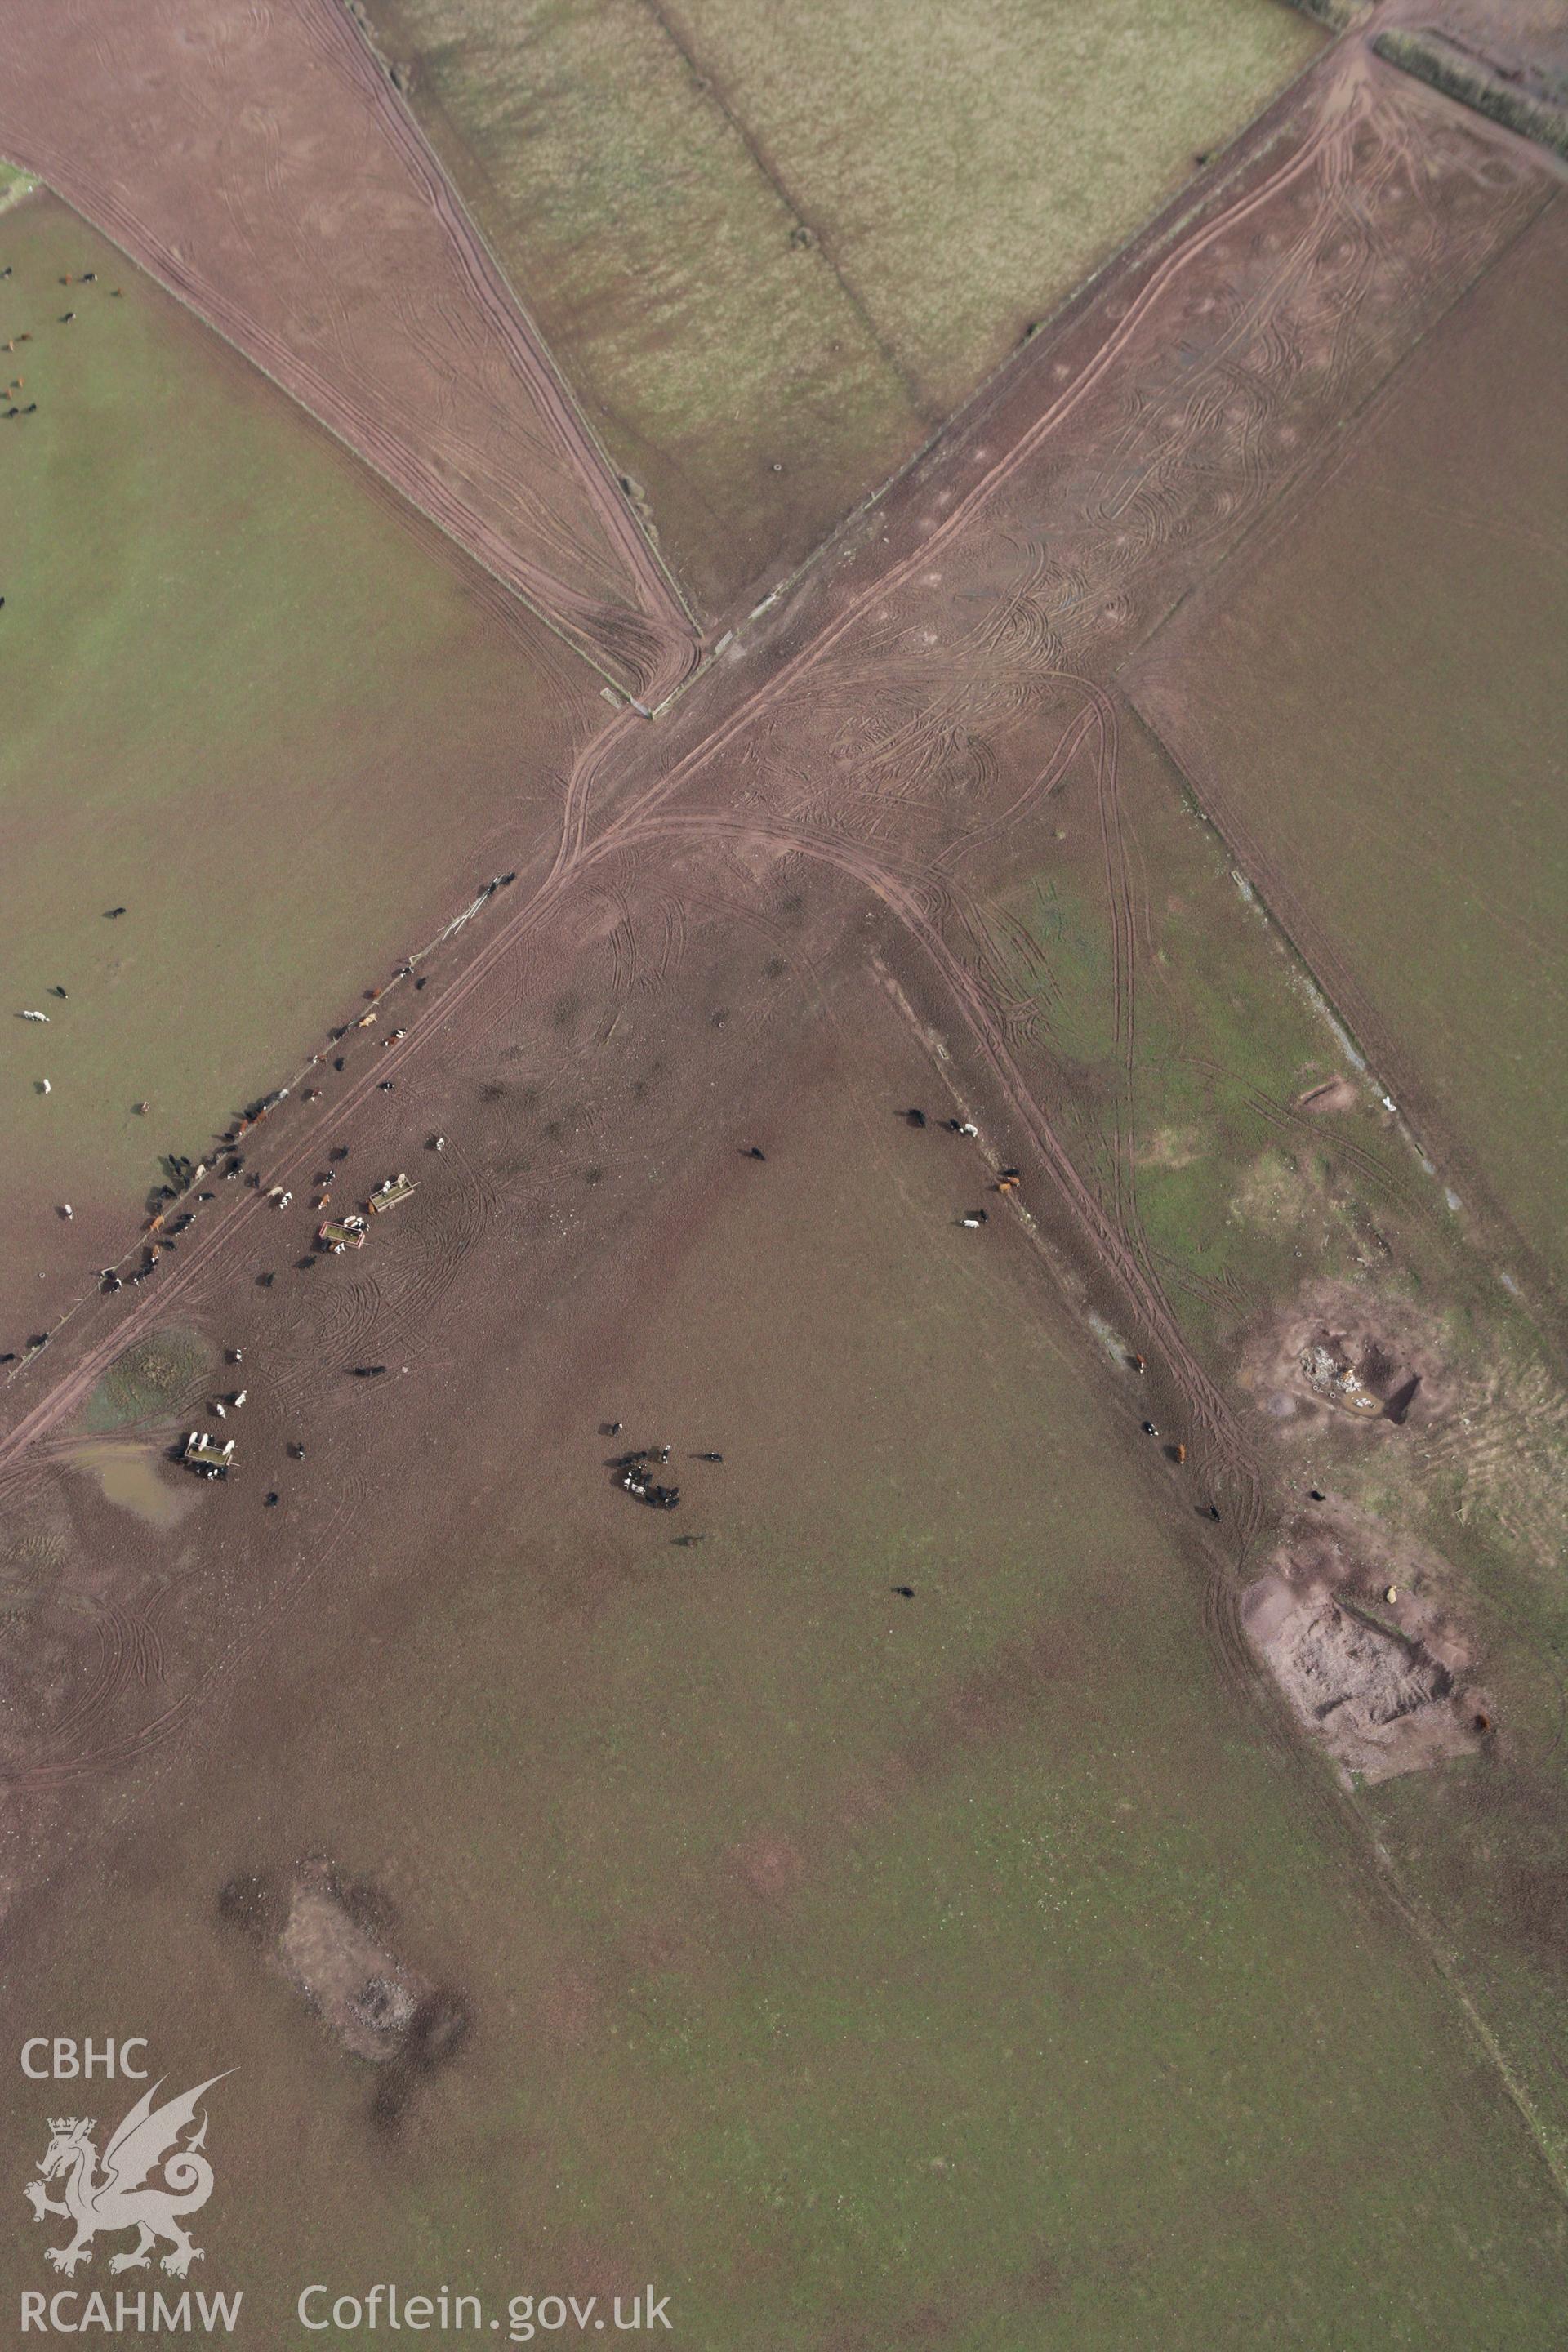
(1355,1625)
(360,1990)
(1362,1356)
(1330,1097)
(1380,1703)
(1171,1146)
(330,1936)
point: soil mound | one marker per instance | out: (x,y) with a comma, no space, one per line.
(331,1938)
(356,1985)
(1372,1360)
(1330,1099)
(1327,1659)
(1377,1696)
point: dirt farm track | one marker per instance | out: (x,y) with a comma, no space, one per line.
(256,162)
(754,934)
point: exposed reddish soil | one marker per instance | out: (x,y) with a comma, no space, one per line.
(257,163)
(793,874)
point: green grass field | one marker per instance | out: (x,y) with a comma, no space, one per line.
(1376,703)
(242,700)
(1189,1121)
(767,258)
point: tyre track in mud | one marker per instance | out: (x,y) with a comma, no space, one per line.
(108,1673)
(434,1252)
(1123,904)
(920,899)
(1347,106)
(905,898)
(498,302)
(358,1304)
(528,542)
(299,1146)
(912,904)
(995,828)
(612,643)
(142,1740)
(1334,133)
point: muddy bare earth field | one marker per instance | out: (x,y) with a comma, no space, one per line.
(1055,1836)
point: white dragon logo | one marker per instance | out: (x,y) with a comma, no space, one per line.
(126,2194)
